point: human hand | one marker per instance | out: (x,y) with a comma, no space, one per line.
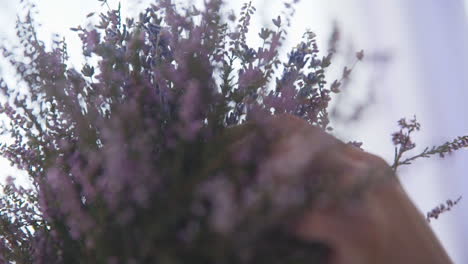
(364,215)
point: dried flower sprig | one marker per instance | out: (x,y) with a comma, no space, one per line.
(402,139)
(442,208)
(441,150)
(403,143)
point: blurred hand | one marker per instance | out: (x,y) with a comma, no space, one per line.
(365,217)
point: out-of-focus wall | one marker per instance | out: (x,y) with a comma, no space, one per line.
(439,38)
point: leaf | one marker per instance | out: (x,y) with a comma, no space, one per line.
(326,61)
(277,22)
(360,55)
(335,86)
(264,33)
(346,72)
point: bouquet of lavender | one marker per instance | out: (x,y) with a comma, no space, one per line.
(130,157)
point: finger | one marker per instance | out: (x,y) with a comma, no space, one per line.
(342,217)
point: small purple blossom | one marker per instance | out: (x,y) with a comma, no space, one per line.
(442,208)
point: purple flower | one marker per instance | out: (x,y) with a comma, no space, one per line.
(131,158)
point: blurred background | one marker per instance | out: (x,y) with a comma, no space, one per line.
(416,63)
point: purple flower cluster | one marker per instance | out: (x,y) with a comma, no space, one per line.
(121,152)
(434,213)
(404,144)
(402,138)
(130,156)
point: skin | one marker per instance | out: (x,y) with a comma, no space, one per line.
(365,216)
